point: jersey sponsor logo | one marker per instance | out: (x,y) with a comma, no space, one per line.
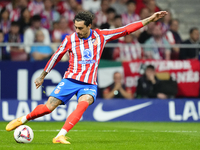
(90,90)
(93,90)
(87,57)
(101,115)
(87,54)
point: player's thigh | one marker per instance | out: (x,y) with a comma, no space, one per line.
(86,97)
(52,103)
(87,92)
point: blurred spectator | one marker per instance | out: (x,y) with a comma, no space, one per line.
(173,37)
(112,2)
(151,5)
(146,34)
(91,5)
(117,22)
(17,53)
(165,22)
(61,6)
(144,13)
(36,7)
(73,4)
(191,53)
(14,10)
(110,13)
(29,35)
(139,6)
(56,33)
(70,14)
(149,85)
(49,15)
(25,20)
(22,4)
(61,30)
(5,21)
(128,50)
(174,27)
(117,89)
(130,16)
(119,6)
(1,5)
(39,53)
(3,53)
(101,14)
(79,8)
(161,47)
(108,51)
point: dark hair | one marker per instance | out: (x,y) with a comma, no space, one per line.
(172,20)
(150,67)
(35,18)
(130,1)
(117,17)
(1,31)
(192,30)
(85,16)
(23,10)
(15,23)
(110,10)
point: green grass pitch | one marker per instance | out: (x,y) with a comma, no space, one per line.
(109,136)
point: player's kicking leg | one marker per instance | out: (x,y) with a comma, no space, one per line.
(83,102)
(39,111)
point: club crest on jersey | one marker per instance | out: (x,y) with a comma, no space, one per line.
(56,91)
(94,42)
(87,57)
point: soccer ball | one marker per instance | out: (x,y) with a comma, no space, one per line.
(23,134)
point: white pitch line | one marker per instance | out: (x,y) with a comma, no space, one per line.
(172,131)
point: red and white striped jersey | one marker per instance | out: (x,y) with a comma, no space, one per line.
(85,53)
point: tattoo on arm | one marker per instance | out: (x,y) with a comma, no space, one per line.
(146,21)
(43,74)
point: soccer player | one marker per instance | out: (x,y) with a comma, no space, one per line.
(85,47)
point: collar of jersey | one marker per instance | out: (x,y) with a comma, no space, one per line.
(88,36)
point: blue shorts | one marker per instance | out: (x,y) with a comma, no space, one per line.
(67,88)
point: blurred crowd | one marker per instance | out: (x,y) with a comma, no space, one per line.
(49,21)
(150,85)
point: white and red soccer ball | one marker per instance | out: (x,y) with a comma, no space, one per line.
(23,134)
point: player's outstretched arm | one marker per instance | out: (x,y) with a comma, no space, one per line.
(39,80)
(113,34)
(156,16)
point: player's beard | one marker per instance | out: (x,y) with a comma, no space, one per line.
(80,36)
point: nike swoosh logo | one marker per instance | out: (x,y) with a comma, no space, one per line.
(101,115)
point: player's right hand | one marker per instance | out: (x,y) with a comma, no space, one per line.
(38,82)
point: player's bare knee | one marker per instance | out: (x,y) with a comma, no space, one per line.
(88,98)
(52,103)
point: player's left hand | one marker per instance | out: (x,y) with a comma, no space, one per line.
(158,15)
